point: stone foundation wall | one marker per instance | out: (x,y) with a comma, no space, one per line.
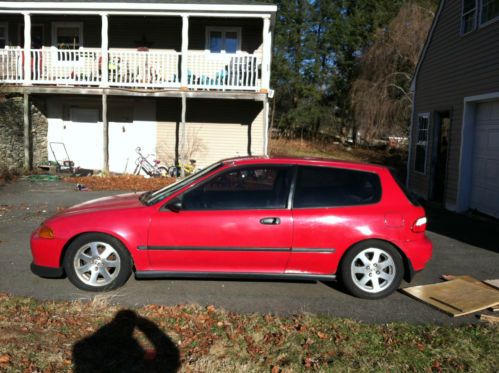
(12,132)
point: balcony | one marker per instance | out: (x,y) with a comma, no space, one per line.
(128,68)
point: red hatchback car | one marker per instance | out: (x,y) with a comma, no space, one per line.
(250,217)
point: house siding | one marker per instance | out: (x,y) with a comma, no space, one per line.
(455,66)
(215,129)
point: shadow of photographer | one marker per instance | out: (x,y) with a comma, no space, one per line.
(114,348)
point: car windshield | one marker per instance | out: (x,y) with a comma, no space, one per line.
(151,197)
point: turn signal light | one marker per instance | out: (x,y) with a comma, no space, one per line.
(419,225)
(46,232)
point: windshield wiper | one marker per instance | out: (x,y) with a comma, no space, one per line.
(144,196)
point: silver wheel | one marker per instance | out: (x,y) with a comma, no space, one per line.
(373,270)
(97,263)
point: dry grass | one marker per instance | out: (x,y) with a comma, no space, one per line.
(123,182)
(38,336)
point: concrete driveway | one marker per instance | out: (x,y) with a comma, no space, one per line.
(462,245)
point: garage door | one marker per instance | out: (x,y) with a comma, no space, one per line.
(485,182)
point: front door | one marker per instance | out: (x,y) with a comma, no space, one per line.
(439,164)
(237,221)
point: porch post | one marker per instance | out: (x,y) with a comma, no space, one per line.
(182,160)
(104,51)
(267,51)
(105,135)
(185,48)
(27,49)
(28,163)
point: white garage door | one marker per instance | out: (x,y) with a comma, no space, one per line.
(485,182)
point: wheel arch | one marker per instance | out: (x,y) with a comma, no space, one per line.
(408,270)
(73,238)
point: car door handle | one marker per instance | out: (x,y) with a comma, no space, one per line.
(270,221)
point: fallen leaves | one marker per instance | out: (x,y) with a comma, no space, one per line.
(39,336)
(123,182)
(5,359)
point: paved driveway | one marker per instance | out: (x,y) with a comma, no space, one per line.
(461,246)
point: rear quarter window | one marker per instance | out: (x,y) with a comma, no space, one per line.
(333,187)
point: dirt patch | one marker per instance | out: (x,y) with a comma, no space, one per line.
(124,182)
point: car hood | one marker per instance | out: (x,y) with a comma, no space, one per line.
(118,202)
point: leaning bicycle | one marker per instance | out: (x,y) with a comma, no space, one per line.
(149,167)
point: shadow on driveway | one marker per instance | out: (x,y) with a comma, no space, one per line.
(476,230)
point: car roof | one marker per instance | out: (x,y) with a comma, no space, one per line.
(306,161)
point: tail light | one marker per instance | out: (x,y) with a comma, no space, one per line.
(157,161)
(419,225)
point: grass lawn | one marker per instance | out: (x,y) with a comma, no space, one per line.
(95,336)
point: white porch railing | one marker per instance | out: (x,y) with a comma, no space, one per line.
(148,69)
(133,69)
(11,65)
(223,71)
(66,67)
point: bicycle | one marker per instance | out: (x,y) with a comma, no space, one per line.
(188,168)
(152,169)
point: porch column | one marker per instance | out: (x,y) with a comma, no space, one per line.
(267,51)
(104,51)
(27,49)
(182,137)
(28,162)
(185,48)
(105,135)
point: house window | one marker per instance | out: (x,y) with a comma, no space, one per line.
(422,143)
(68,35)
(4,35)
(489,11)
(469,16)
(223,39)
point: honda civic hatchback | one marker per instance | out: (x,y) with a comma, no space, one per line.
(252,217)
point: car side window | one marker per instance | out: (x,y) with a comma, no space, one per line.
(253,188)
(332,187)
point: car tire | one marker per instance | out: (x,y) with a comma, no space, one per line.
(97,262)
(372,269)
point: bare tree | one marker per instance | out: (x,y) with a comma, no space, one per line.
(381,97)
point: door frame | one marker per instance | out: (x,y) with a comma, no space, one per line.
(436,134)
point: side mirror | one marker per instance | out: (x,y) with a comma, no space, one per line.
(175,205)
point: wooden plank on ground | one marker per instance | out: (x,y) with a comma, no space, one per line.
(493,283)
(468,279)
(490,319)
(456,297)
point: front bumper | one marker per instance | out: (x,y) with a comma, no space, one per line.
(47,272)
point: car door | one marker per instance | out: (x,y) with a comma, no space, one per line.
(237,221)
(332,207)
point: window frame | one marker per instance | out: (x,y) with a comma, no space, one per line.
(5,26)
(475,18)
(295,184)
(55,26)
(290,187)
(223,30)
(420,143)
(480,15)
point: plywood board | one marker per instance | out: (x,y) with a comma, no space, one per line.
(493,283)
(490,319)
(468,279)
(455,297)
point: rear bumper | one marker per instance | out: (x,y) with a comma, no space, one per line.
(418,252)
(47,272)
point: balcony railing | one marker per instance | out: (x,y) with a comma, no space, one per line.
(132,69)
(223,71)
